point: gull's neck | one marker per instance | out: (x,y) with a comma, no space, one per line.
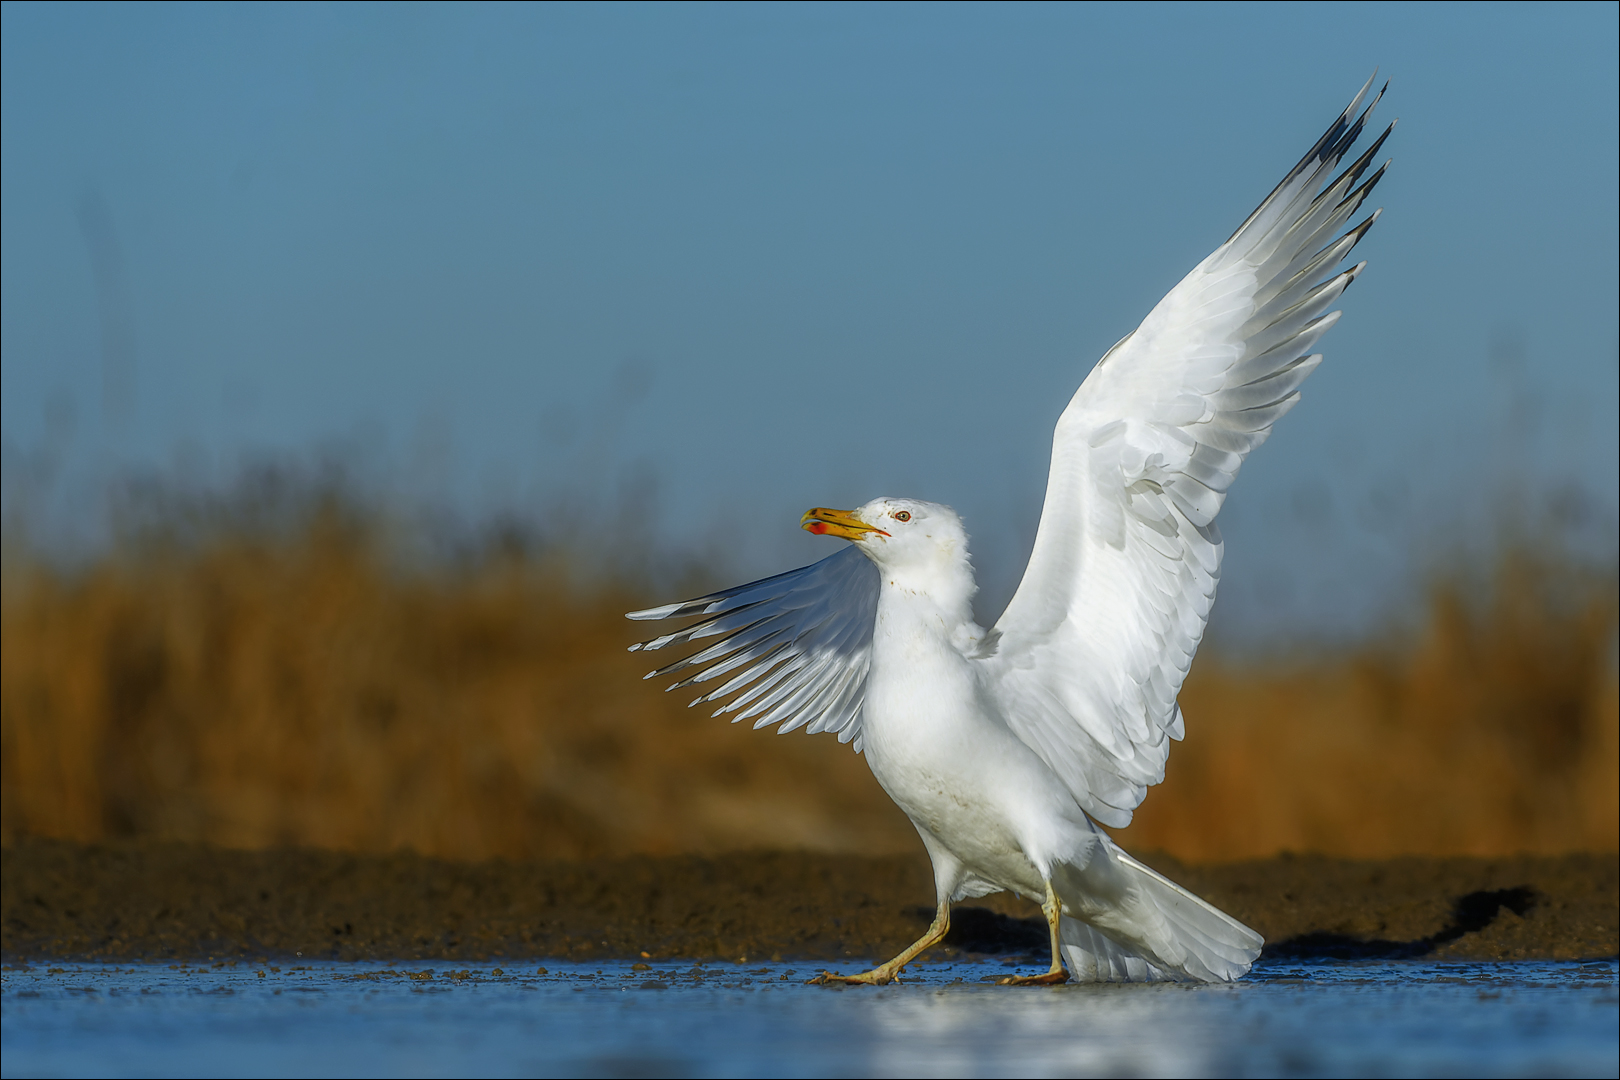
(932,601)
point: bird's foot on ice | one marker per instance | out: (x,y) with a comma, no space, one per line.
(1055,977)
(878,976)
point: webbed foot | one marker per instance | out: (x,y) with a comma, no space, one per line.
(878,976)
(1051,978)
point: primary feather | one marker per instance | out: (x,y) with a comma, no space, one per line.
(801,643)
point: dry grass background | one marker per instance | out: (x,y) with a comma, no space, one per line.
(303,690)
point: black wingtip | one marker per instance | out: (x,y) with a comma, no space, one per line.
(1353,173)
(1361,230)
(1365,189)
(1333,145)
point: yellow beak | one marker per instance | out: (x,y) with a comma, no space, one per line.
(841,523)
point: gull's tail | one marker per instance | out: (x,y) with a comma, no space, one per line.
(1160,933)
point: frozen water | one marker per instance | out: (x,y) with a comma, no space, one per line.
(719,1019)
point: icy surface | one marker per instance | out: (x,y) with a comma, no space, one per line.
(719,1019)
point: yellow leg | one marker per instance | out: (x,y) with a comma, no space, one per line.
(1053,910)
(886,973)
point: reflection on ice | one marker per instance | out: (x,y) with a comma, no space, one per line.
(1385,1019)
(615,1019)
(1086,1031)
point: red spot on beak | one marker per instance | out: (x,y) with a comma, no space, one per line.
(816,527)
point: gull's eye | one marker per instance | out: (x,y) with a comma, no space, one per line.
(902,515)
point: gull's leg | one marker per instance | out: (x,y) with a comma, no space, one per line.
(885,973)
(1053,910)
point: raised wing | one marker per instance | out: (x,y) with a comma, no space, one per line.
(796,647)
(1096,642)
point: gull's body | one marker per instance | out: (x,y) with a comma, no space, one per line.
(1006,747)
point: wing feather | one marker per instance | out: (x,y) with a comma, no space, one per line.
(1094,647)
(796,646)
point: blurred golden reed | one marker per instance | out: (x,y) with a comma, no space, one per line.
(302,691)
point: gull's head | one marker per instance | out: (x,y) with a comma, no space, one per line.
(921,543)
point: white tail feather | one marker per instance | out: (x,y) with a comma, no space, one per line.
(1182,939)
(1092,956)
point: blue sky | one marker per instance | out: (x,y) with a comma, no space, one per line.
(729,262)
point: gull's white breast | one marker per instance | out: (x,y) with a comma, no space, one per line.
(936,745)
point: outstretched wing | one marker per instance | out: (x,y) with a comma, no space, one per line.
(796,647)
(1096,642)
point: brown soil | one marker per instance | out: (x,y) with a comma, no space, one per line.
(60,899)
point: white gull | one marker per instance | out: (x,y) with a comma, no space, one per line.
(1009,747)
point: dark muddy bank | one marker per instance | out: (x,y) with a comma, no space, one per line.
(159,901)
